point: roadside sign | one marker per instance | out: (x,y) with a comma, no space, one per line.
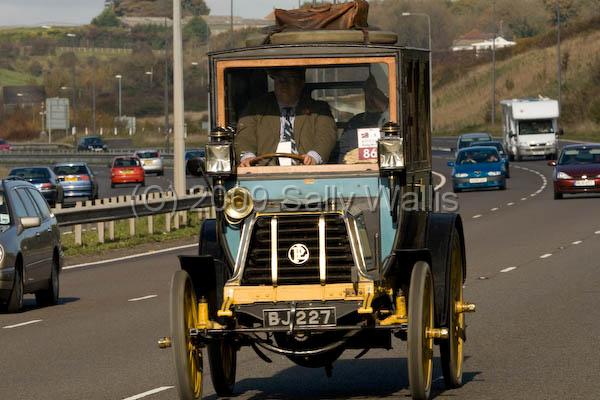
(57,113)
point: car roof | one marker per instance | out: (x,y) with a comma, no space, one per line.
(146,150)
(471,148)
(32,167)
(125,158)
(11,182)
(474,135)
(582,146)
(69,164)
(486,143)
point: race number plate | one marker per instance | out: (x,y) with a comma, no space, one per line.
(323,316)
(477,180)
(367,143)
(585,182)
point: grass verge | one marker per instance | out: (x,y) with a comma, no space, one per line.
(124,240)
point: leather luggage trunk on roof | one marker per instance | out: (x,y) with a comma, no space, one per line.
(350,15)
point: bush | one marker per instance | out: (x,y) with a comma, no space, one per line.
(107,18)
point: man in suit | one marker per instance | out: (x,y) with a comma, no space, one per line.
(286,121)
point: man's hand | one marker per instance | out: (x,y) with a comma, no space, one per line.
(247,162)
(308,160)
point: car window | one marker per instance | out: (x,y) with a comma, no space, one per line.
(40,203)
(71,170)
(478,156)
(30,208)
(31,173)
(4,213)
(126,162)
(147,154)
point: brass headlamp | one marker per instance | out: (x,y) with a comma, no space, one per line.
(238,205)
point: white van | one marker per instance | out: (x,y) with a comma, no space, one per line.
(530,127)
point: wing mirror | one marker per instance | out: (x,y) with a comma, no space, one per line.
(512,135)
(552,163)
(451,163)
(30,222)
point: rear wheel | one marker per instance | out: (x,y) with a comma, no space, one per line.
(188,357)
(420,321)
(15,301)
(558,196)
(49,297)
(451,350)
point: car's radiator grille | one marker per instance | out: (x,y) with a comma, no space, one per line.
(301,230)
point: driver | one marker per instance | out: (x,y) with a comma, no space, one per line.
(286,120)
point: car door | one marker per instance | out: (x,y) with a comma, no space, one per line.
(46,237)
(27,238)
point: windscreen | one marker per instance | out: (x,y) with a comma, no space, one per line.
(477,156)
(70,170)
(126,162)
(332,111)
(580,156)
(147,154)
(536,127)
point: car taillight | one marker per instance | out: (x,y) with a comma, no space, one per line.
(46,186)
(83,178)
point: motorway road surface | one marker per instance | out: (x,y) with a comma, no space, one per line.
(533,270)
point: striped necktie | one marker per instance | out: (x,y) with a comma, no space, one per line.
(288,128)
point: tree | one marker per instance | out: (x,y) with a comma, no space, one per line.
(195,7)
(107,18)
(198,29)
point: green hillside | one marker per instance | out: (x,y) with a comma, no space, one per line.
(9,78)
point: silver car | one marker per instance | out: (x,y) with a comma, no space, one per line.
(151,160)
(77,180)
(30,249)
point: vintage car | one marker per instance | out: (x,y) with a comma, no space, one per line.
(307,261)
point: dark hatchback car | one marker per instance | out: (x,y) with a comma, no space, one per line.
(77,180)
(191,154)
(44,179)
(577,170)
(500,147)
(467,139)
(91,143)
(30,249)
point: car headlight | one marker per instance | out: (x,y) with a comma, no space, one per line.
(238,205)
(461,175)
(562,175)
(494,173)
(1,254)
(391,153)
(219,157)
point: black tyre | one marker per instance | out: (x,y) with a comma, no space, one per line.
(15,301)
(112,185)
(144,183)
(187,356)
(451,350)
(507,171)
(558,196)
(455,189)
(49,296)
(420,320)
(222,357)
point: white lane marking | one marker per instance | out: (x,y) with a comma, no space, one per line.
(546,255)
(149,253)
(150,296)
(524,198)
(476,216)
(510,204)
(442,180)
(495,209)
(149,393)
(533,194)
(22,324)
(508,269)
(597,233)
(577,242)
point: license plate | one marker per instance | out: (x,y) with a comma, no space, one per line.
(477,180)
(538,153)
(323,316)
(71,179)
(585,182)
(147,162)
(127,172)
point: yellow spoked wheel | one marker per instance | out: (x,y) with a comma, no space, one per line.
(188,357)
(420,322)
(451,350)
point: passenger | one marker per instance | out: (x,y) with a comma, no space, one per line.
(376,105)
(491,158)
(286,121)
(468,159)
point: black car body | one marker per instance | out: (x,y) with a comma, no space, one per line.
(44,179)
(30,249)
(91,143)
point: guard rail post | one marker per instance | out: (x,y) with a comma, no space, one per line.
(100,229)
(167,222)
(176,219)
(150,224)
(78,235)
(111,230)
(131,227)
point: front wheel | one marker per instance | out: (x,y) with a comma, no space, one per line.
(222,357)
(49,296)
(15,301)
(420,321)
(558,196)
(451,350)
(187,356)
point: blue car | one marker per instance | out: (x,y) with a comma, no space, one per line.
(478,167)
(500,147)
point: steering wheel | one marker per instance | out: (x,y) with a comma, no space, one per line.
(268,156)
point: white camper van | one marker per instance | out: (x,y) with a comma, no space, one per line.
(530,127)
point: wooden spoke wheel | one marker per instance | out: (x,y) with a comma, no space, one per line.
(452,349)
(420,321)
(222,357)
(188,357)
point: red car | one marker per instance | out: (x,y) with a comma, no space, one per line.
(577,170)
(126,170)
(4,145)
